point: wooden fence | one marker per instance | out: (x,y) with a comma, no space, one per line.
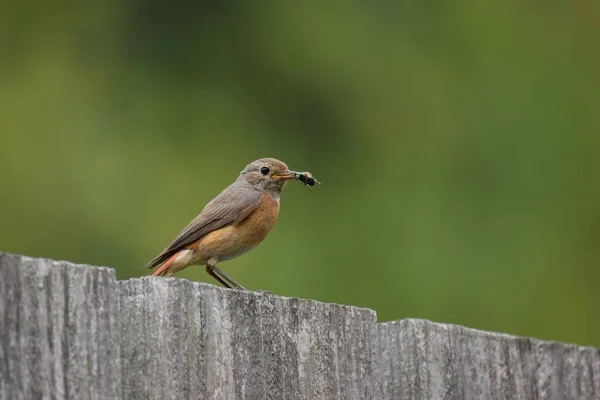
(75,332)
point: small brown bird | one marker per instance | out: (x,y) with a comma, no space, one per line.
(234,222)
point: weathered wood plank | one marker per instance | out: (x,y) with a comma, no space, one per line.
(73,332)
(59,330)
(182,339)
(425,360)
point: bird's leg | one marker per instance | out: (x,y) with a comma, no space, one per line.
(228,279)
(211,272)
(222,277)
(211,268)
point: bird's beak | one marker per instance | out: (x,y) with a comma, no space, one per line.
(285,176)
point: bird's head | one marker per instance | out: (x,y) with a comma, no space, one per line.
(267,174)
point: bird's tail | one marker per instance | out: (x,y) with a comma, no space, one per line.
(163,257)
(161,266)
(170,262)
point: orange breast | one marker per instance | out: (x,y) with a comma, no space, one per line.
(234,240)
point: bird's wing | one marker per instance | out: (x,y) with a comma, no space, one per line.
(231,206)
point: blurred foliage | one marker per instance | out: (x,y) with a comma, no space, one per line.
(457,143)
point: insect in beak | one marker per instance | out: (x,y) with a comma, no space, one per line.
(306,178)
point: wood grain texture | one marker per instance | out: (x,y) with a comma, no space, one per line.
(73,332)
(59,330)
(425,360)
(192,340)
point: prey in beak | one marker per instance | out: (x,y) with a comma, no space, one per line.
(305,177)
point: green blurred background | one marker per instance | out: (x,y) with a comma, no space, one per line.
(457,143)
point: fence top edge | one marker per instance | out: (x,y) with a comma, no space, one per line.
(419,323)
(416,323)
(65,264)
(256,294)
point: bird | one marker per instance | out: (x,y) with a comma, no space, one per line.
(231,224)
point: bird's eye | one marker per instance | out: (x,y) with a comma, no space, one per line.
(265,170)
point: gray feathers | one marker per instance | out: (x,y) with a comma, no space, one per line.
(231,206)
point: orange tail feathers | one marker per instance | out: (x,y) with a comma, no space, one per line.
(164,268)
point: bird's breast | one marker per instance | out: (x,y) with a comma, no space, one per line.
(252,230)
